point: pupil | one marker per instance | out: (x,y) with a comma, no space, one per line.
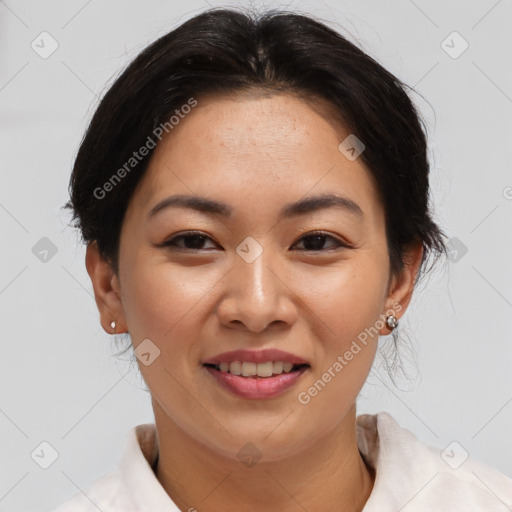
(317,244)
(198,239)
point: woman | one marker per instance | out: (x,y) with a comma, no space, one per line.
(254,196)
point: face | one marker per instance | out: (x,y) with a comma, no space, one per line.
(311,282)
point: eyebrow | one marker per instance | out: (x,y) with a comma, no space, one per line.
(303,206)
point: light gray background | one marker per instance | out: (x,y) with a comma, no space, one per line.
(61,382)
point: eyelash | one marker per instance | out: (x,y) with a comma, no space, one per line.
(171,243)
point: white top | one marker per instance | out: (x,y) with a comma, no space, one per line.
(410,476)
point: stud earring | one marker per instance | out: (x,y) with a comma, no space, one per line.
(391,322)
(113,325)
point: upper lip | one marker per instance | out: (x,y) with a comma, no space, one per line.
(256,356)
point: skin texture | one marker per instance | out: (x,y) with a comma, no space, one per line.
(255,153)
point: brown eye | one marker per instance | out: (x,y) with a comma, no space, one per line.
(194,241)
(191,241)
(315,242)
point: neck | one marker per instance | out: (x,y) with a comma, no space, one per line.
(328,476)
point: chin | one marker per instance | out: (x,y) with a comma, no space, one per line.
(263,440)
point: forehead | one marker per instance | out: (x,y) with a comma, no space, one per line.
(259,148)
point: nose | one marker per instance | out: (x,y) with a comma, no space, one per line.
(257,295)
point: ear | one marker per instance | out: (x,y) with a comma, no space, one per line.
(402,286)
(106,290)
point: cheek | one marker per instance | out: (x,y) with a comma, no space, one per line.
(167,305)
(159,296)
(163,304)
(346,299)
(349,303)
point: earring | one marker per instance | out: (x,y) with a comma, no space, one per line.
(113,325)
(391,322)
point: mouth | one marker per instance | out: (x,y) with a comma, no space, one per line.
(256,381)
(256,370)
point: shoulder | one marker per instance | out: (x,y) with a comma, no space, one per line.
(414,476)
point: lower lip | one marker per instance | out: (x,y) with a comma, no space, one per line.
(257,387)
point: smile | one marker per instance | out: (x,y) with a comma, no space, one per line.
(256,374)
(252,381)
(249,369)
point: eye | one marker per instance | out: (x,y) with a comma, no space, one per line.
(316,240)
(193,240)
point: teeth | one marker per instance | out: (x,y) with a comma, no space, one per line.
(247,369)
(235,368)
(265,369)
(278,367)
